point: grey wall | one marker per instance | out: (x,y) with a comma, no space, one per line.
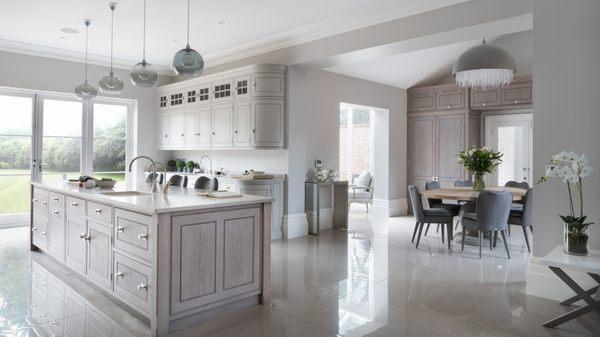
(566,73)
(47,74)
(313,127)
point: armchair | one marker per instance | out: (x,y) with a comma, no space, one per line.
(361,190)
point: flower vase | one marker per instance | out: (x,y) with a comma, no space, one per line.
(576,239)
(478,182)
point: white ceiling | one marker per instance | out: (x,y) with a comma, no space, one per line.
(248,28)
(408,69)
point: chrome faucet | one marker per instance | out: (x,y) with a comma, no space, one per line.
(209,162)
(165,183)
(152,182)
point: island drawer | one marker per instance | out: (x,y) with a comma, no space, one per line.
(75,205)
(39,230)
(133,232)
(99,212)
(40,199)
(56,201)
(131,283)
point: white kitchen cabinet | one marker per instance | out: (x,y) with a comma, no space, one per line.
(241,129)
(99,252)
(242,87)
(222,122)
(191,128)
(163,130)
(177,129)
(267,123)
(74,243)
(204,126)
(268,85)
(222,91)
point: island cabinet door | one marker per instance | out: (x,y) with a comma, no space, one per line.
(99,248)
(75,233)
(56,241)
(39,230)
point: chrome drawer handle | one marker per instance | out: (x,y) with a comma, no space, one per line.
(55,211)
(34,228)
(97,211)
(87,237)
(74,204)
(34,200)
(143,237)
(82,236)
(44,234)
(55,198)
(44,203)
(54,323)
(142,286)
(120,229)
(119,274)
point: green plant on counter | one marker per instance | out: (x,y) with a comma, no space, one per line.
(171,165)
(191,165)
(180,164)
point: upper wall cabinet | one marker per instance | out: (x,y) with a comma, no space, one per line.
(241,108)
(437,98)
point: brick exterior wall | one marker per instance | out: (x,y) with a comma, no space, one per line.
(361,149)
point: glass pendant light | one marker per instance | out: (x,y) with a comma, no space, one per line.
(187,61)
(111,84)
(84,90)
(484,66)
(143,73)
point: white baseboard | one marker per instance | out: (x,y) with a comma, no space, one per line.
(276,234)
(542,282)
(14,220)
(294,225)
(391,207)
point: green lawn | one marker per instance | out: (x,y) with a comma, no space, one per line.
(14,190)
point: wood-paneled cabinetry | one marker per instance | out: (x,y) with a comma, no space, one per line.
(516,95)
(242,108)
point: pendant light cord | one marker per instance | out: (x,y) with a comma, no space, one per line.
(144,40)
(112,14)
(188,24)
(87,25)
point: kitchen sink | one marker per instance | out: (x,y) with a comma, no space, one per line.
(125,193)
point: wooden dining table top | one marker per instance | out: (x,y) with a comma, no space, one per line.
(467,193)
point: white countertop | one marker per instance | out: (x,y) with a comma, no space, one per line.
(587,264)
(176,200)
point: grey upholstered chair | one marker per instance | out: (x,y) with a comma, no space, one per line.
(493,209)
(428,216)
(463,183)
(524,217)
(158,177)
(177,180)
(524,185)
(438,203)
(205,183)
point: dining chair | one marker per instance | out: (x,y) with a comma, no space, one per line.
(177,180)
(429,216)
(511,183)
(206,183)
(438,203)
(153,176)
(362,189)
(524,217)
(463,183)
(493,209)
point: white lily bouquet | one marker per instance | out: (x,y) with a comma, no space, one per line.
(572,168)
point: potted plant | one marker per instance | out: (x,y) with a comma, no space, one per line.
(180,165)
(190,166)
(480,161)
(171,165)
(572,168)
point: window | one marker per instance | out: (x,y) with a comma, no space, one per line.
(109,141)
(355,140)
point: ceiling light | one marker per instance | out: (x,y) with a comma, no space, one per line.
(187,61)
(111,84)
(143,74)
(484,66)
(84,90)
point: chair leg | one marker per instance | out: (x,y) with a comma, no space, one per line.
(491,233)
(495,238)
(415,231)
(508,230)
(437,230)
(526,238)
(442,233)
(462,246)
(427,229)
(367,204)
(457,221)
(480,242)
(505,243)
(450,224)
(531,228)
(419,235)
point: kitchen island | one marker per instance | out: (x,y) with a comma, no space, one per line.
(177,259)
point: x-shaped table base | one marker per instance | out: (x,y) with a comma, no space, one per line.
(585,295)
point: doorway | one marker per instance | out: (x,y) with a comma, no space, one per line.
(513,136)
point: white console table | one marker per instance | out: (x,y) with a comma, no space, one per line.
(557,260)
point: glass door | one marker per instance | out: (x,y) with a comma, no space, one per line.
(512,135)
(16,134)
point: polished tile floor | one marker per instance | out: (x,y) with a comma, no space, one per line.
(369,281)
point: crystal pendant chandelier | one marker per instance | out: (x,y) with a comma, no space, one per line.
(86,91)
(143,74)
(187,61)
(484,66)
(111,84)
